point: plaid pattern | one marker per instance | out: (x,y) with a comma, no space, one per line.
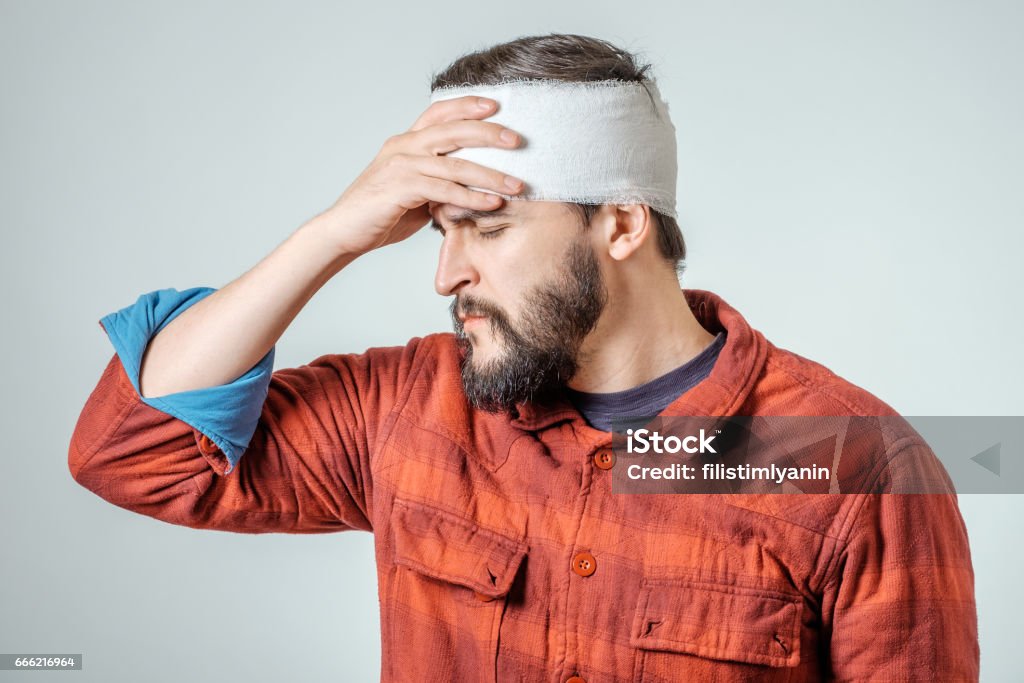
(503,555)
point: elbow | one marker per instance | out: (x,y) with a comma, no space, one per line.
(75,462)
(79,459)
(104,411)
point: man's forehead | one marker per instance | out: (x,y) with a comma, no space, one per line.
(518,209)
(453,214)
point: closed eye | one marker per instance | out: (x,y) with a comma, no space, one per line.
(492,233)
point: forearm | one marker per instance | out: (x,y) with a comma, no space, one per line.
(222,336)
(219,338)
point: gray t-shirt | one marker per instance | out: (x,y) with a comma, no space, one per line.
(650,398)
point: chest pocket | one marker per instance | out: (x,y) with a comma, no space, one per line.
(752,634)
(454,577)
(451,549)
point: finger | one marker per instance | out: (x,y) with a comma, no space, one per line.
(452,135)
(467,107)
(445,192)
(465,172)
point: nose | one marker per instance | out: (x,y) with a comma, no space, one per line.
(454,267)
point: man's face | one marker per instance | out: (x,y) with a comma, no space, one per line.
(528,290)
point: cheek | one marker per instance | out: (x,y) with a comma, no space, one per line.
(522,263)
(504,282)
(521,268)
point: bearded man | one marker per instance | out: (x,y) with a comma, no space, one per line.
(482,461)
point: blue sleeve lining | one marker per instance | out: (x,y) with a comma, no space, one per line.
(227,414)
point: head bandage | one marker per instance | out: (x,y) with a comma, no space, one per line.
(598,142)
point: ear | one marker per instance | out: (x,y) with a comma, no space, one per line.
(627,227)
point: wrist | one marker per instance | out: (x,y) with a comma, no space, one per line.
(317,239)
(323,230)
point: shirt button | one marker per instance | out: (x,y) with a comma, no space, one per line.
(576,679)
(584,564)
(604,459)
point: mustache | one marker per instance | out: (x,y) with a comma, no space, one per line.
(467,305)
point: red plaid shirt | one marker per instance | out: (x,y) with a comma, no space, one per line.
(503,555)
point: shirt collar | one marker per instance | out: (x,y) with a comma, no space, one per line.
(720,394)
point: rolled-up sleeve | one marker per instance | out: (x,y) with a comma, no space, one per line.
(227,414)
(287,451)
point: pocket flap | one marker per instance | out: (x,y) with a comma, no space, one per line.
(718,621)
(450,548)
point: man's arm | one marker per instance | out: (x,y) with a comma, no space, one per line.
(307,466)
(225,334)
(306,469)
(900,599)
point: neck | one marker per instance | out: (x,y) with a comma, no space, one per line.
(644,332)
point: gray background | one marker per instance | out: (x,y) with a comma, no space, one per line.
(850,179)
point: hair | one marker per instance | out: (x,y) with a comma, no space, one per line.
(571,58)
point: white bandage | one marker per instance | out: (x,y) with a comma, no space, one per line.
(599,142)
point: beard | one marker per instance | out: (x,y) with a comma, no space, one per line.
(540,353)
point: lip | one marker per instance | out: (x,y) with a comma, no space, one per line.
(470,319)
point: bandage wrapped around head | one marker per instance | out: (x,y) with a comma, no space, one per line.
(598,142)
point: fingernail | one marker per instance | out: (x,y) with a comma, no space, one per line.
(484,103)
(508,136)
(512,183)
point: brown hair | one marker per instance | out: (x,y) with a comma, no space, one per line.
(563,57)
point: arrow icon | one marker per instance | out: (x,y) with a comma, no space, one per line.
(989,459)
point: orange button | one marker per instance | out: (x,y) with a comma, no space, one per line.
(584,564)
(576,679)
(605,458)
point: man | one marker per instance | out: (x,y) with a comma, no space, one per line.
(482,461)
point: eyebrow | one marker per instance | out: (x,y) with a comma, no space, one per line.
(472,215)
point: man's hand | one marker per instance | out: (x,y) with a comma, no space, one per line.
(388,201)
